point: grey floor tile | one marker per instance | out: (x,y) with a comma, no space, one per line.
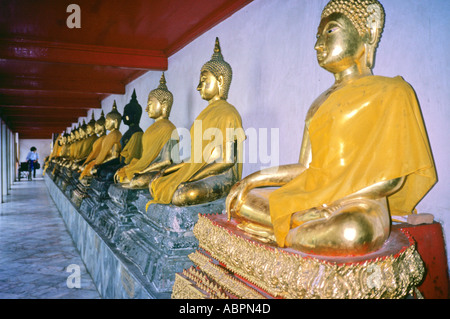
(36,248)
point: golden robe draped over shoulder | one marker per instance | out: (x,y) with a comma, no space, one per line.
(55,153)
(86,147)
(366,132)
(153,140)
(133,149)
(72,150)
(108,142)
(215,119)
(95,149)
(56,148)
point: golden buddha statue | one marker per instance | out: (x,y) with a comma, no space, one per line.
(80,134)
(158,142)
(64,149)
(100,132)
(213,167)
(70,142)
(56,152)
(88,138)
(364,155)
(110,147)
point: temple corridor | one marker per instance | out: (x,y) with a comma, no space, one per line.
(38,259)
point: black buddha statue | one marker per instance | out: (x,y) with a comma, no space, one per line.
(131,141)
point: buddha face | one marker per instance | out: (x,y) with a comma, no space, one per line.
(109,123)
(209,86)
(82,134)
(154,107)
(99,128)
(339,45)
(90,130)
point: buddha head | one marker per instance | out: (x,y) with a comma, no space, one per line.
(83,130)
(59,140)
(71,136)
(348,34)
(77,133)
(132,111)
(90,127)
(113,119)
(100,125)
(215,76)
(64,138)
(160,101)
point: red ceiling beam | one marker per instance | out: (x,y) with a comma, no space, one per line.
(37,135)
(55,102)
(44,51)
(62,84)
(38,120)
(53,128)
(41,112)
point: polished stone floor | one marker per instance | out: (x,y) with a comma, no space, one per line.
(38,259)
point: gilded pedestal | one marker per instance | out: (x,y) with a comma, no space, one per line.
(229,255)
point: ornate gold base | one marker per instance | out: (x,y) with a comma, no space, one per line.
(235,265)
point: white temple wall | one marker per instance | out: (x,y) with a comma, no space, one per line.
(270,46)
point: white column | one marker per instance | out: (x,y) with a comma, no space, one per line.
(4,174)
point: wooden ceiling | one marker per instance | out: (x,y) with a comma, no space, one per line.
(50,74)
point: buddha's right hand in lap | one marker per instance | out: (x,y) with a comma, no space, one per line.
(274,176)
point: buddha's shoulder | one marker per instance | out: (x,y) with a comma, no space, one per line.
(388,83)
(223,109)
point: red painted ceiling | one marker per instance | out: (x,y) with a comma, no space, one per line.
(51,74)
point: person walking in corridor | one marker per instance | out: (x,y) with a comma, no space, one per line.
(32,160)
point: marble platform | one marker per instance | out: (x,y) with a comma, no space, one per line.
(130,252)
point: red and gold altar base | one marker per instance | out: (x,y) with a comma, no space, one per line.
(231,264)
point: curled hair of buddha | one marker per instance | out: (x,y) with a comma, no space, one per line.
(218,66)
(91,123)
(101,119)
(162,93)
(83,126)
(133,110)
(364,14)
(114,114)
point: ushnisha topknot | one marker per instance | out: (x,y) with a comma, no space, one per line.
(133,110)
(83,126)
(218,66)
(92,121)
(101,119)
(114,113)
(162,93)
(364,14)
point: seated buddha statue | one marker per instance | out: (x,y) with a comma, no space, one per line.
(56,152)
(364,155)
(214,165)
(88,139)
(158,142)
(64,149)
(80,135)
(110,147)
(71,139)
(131,141)
(100,132)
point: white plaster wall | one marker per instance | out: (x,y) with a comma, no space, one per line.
(43,149)
(270,46)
